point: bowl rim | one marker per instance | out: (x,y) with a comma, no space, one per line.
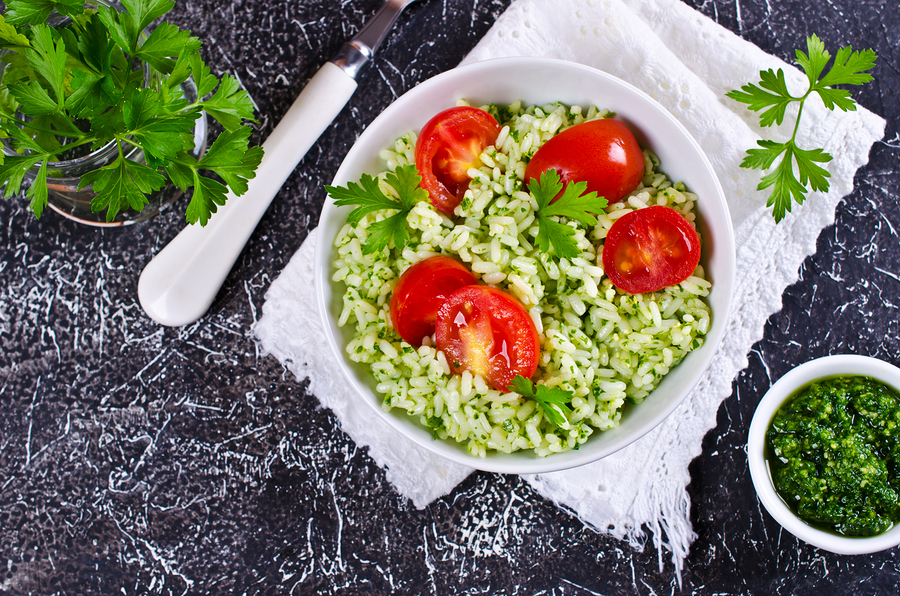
(795,379)
(724,250)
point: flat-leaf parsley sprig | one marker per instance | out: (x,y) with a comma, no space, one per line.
(798,171)
(573,203)
(553,400)
(368,197)
(83,85)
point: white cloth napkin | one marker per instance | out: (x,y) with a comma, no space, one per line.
(686,62)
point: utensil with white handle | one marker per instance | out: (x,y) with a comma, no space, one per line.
(178,286)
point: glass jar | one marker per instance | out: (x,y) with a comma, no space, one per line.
(63,177)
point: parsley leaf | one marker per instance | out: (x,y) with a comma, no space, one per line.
(13,170)
(10,38)
(798,171)
(369,198)
(554,401)
(118,28)
(48,59)
(162,137)
(166,41)
(30,12)
(37,192)
(772,99)
(203,78)
(144,12)
(573,203)
(91,95)
(33,99)
(122,184)
(95,46)
(208,195)
(230,158)
(229,104)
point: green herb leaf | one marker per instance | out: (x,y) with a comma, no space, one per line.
(365,193)
(122,184)
(814,62)
(230,158)
(573,204)
(203,78)
(37,192)
(164,45)
(95,46)
(182,68)
(126,28)
(849,67)
(162,137)
(554,401)
(13,171)
(31,12)
(180,171)
(382,232)
(144,12)
(785,185)
(10,38)
(118,28)
(798,171)
(229,104)
(369,198)
(33,99)
(811,174)
(772,99)
(48,59)
(208,195)
(91,94)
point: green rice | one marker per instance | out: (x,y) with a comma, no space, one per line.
(604,346)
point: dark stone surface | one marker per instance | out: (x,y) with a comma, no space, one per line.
(138,459)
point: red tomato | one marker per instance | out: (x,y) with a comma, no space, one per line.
(650,249)
(602,153)
(486,331)
(419,292)
(449,144)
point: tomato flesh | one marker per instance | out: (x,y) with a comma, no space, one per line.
(486,331)
(420,291)
(650,249)
(448,146)
(602,153)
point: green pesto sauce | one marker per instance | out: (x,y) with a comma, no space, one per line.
(833,451)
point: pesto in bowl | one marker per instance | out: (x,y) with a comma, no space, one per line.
(762,470)
(833,452)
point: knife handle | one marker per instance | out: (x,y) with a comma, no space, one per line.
(178,286)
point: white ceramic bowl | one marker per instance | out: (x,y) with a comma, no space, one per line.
(828,366)
(539,81)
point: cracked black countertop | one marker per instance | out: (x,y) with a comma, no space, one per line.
(136,459)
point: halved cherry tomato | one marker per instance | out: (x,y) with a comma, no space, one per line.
(488,332)
(650,249)
(603,153)
(449,144)
(421,289)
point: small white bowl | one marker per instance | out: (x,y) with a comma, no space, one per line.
(796,379)
(539,81)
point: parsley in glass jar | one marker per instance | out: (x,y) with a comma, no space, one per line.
(833,451)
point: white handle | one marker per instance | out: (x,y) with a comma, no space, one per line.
(179,284)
